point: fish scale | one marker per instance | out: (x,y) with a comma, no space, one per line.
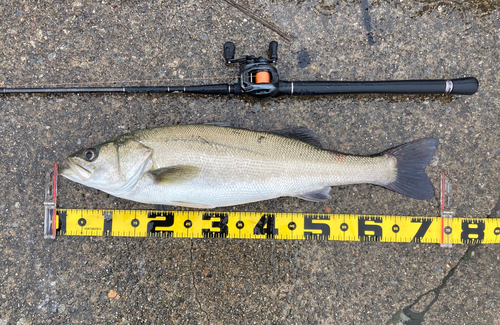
(274,154)
(257,165)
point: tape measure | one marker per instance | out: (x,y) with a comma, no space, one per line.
(444,230)
(258,225)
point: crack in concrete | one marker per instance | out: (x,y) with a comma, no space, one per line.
(407,316)
(272,26)
(194,282)
(367,21)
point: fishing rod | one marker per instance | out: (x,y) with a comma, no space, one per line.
(259,78)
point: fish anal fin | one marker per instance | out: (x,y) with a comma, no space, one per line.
(301,134)
(193,205)
(174,175)
(320,195)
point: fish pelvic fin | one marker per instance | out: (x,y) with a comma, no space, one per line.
(174,175)
(412,159)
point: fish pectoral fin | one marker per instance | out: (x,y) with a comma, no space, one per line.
(320,195)
(301,134)
(174,175)
(193,205)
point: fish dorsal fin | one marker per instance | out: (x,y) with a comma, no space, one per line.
(320,195)
(174,175)
(220,124)
(301,134)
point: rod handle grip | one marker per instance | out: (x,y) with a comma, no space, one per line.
(465,86)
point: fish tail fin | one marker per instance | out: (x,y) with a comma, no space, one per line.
(412,159)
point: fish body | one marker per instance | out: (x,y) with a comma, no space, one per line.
(207,166)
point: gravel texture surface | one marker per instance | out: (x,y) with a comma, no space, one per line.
(217,281)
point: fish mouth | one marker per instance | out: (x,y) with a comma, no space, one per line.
(76,172)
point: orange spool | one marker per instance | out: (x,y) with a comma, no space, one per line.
(262,77)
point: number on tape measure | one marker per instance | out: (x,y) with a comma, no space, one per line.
(266,226)
(315,228)
(425,223)
(157,227)
(472,231)
(368,228)
(216,226)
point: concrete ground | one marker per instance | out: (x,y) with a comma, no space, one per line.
(215,281)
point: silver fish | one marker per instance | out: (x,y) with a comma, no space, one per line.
(208,166)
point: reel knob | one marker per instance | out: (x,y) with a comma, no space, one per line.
(229,49)
(273,51)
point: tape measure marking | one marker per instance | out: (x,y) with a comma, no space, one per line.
(266,225)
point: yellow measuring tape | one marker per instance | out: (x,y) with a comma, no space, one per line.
(444,230)
(258,225)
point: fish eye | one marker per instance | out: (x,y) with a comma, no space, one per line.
(90,154)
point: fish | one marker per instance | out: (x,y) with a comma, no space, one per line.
(208,166)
